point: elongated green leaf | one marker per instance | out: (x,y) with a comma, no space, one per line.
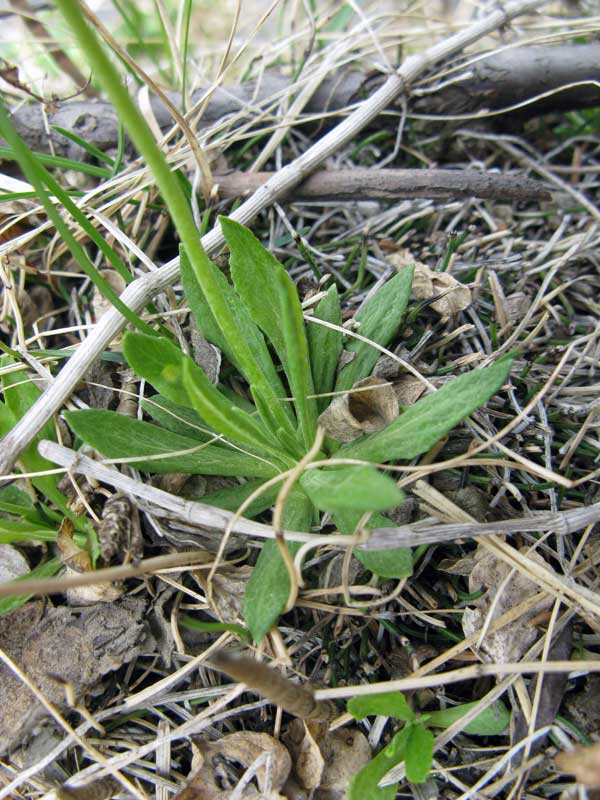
(177,418)
(20,393)
(176,376)
(379,318)
(364,784)
(271,298)
(232,498)
(160,362)
(491,722)
(325,345)
(16,530)
(269,585)
(351,489)
(397,562)
(243,344)
(117,436)
(44,570)
(418,753)
(223,415)
(388,704)
(423,424)
(14,501)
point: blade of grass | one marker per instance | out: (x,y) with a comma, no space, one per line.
(167,182)
(61,163)
(39,178)
(89,148)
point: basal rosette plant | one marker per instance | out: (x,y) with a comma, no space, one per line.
(290,366)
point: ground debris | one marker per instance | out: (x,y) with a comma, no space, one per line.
(61,647)
(583,762)
(502,592)
(326,761)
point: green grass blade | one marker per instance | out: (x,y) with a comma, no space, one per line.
(40,178)
(89,148)
(58,162)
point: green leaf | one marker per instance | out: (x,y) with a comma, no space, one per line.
(388,704)
(177,377)
(325,345)
(44,570)
(14,501)
(117,436)
(231,498)
(492,721)
(397,562)
(158,361)
(16,530)
(379,318)
(177,418)
(242,343)
(269,585)
(351,489)
(364,784)
(272,300)
(418,428)
(418,754)
(223,415)
(20,394)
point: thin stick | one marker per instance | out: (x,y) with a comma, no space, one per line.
(142,290)
(392,184)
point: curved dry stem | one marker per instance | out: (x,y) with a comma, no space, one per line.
(293,475)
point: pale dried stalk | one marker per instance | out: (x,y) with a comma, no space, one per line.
(457,676)
(142,290)
(165,504)
(561,523)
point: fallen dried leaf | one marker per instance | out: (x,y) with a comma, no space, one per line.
(428,283)
(227,594)
(326,760)
(224,762)
(583,762)
(408,389)
(490,573)
(368,407)
(77,560)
